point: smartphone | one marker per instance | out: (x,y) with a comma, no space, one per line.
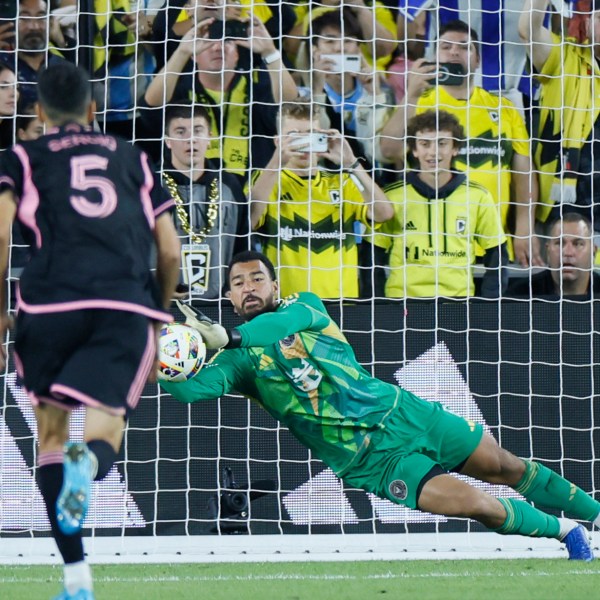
(8,9)
(310,142)
(448,74)
(344,63)
(232,28)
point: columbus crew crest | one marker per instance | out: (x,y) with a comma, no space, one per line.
(398,489)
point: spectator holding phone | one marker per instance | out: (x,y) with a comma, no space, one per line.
(306,214)
(352,96)
(30,40)
(203,69)
(497,152)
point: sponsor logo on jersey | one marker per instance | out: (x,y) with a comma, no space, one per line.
(289,233)
(398,489)
(410,226)
(461,224)
(448,254)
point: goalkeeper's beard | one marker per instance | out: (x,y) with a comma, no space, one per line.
(261,307)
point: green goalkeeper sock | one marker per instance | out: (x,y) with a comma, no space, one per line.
(544,487)
(524,519)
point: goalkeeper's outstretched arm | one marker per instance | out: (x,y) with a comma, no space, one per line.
(262,330)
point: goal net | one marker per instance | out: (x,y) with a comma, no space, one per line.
(222,478)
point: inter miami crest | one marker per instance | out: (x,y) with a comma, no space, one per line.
(398,489)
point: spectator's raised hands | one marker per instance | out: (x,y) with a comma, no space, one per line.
(419,78)
(196,39)
(339,151)
(7,36)
(259,39)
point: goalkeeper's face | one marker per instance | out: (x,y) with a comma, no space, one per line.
(251,289)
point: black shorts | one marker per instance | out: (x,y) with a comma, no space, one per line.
(99,358)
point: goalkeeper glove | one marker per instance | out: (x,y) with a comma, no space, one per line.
(215,336)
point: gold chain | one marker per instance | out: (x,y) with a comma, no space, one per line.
(211,213)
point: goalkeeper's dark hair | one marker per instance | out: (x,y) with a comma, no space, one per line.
(250,255)
(64,92)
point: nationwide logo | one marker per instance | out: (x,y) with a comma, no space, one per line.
(410,226)
(287,234)
(454,254)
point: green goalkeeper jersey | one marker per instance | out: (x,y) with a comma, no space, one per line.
(296,363)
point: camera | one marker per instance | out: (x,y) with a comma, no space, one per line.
(8,9)
(448,74)
(231,508)
(310,142)
(344,63)
(224,30)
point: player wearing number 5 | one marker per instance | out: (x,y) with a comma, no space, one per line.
(295,362)
(91,208)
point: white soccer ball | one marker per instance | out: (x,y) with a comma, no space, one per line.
(181,352)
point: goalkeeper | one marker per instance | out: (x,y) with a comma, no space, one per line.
(294,361)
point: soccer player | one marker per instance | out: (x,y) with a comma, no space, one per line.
(294,361)
(88,303)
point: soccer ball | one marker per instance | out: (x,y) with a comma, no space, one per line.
(181,352)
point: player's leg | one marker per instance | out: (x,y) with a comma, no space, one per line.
(124,344)
(52,425)
(85,462)
(445,494)
(534,481)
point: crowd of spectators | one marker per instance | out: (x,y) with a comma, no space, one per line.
(371,148)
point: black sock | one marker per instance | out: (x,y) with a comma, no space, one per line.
(50,480)
(105,455)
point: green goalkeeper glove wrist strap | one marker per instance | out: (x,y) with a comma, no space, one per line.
(235,339)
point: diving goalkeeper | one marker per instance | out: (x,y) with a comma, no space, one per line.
(294,361)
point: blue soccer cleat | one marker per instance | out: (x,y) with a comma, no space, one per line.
(74,497)
(578,544)
(81,594)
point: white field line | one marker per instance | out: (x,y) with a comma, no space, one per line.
(298,577)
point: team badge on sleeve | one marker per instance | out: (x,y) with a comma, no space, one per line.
(398,489)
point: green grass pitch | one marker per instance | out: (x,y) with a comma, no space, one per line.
(547,579)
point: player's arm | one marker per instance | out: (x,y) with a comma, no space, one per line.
(213,381)
(538,39)
(8,209)
(169,252)
(263,330)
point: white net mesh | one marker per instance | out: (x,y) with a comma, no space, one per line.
(525,369)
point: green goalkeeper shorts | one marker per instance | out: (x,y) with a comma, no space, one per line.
(418,437)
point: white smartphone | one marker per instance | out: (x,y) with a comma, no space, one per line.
(344,63)
(310,142)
